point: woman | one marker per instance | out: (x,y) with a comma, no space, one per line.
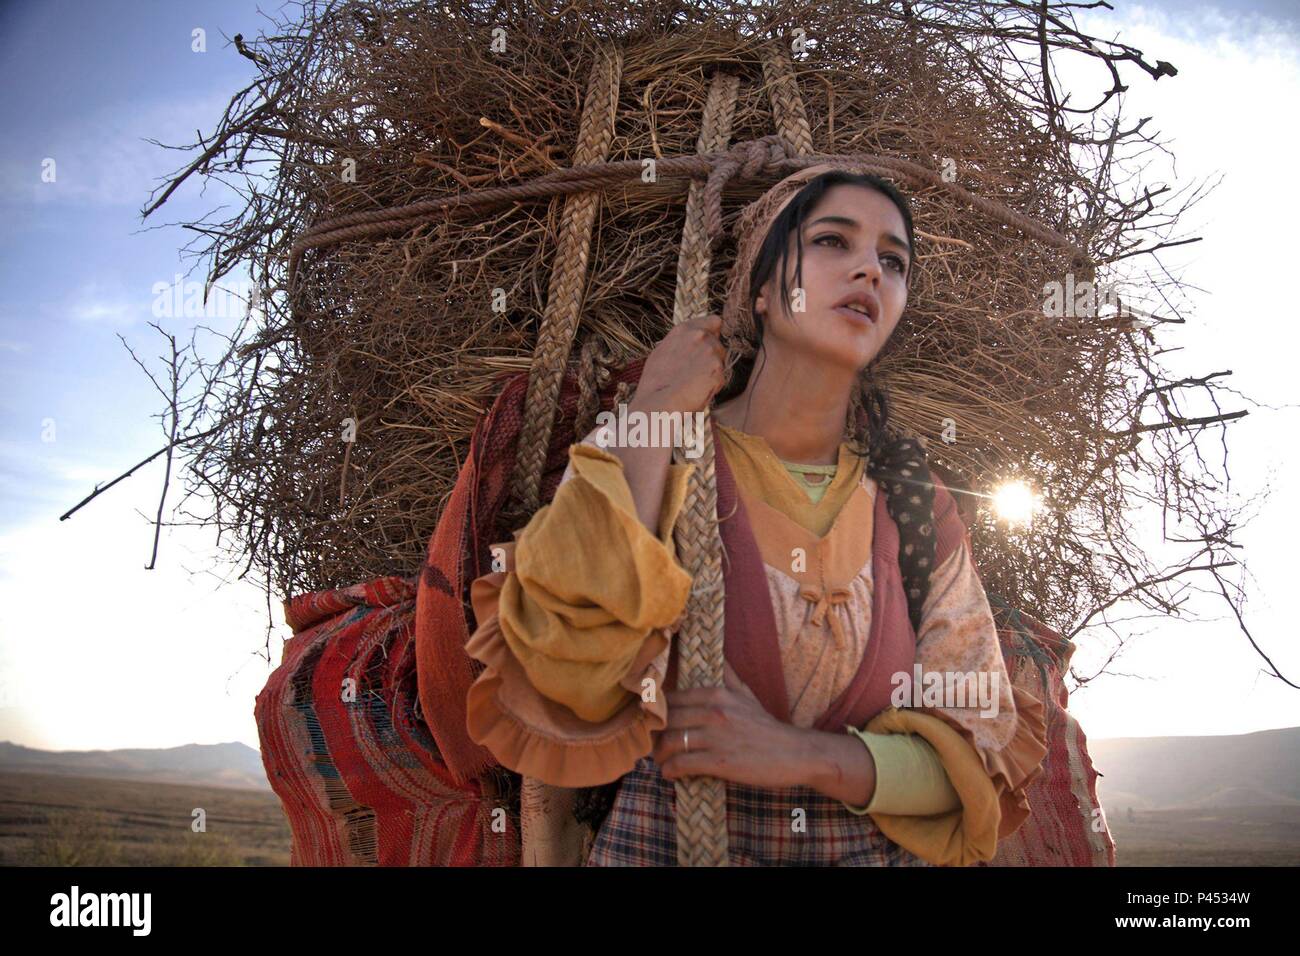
(829,610)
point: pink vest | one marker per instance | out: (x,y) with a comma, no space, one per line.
(750,642)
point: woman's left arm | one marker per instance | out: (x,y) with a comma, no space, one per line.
(732,737)
(726,732)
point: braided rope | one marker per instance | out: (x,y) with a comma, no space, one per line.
(568,284)
(788,111)
(701,802)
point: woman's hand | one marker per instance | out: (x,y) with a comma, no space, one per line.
(732,737)
(685,370)
(680,376)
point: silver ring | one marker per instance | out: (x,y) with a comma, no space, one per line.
(686,740)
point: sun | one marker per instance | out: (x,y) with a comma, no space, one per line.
(1015,502)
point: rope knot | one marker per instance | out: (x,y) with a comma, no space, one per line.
(747,160)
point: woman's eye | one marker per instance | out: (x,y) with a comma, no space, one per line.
(900,265)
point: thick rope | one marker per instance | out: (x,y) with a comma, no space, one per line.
(554,344)
(702,838)
(756,160)
(701,802)
(788,111)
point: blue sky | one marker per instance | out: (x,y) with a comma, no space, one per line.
(97,652)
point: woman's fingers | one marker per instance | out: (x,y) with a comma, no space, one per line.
(672,741)
(693,764)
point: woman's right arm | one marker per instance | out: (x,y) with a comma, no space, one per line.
(594,573)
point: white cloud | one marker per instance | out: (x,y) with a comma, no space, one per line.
(103,158)
(109,302)
(104,303)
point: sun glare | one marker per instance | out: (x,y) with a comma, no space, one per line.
(1015,502)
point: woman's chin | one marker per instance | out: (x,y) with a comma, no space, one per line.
(858,347)
(851,356)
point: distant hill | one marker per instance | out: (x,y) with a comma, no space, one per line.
(232,765)
(1261,769)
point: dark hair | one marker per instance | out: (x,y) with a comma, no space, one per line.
(870,431)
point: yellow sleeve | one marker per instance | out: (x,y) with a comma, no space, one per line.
(590,583)
(910,776)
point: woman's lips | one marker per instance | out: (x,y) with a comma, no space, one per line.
(848,313)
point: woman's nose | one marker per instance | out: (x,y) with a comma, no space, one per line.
(869,268)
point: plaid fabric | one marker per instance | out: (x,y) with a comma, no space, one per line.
(764,828)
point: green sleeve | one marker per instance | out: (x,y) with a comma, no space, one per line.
(910,779)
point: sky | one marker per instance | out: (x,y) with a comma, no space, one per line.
(98,652)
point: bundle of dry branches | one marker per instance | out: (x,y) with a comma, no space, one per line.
(329,431)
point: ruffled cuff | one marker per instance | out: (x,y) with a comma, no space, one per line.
(1014,767)
(992,784)
(541,738)
(959,837)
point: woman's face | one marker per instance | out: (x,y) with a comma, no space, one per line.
(854,248)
